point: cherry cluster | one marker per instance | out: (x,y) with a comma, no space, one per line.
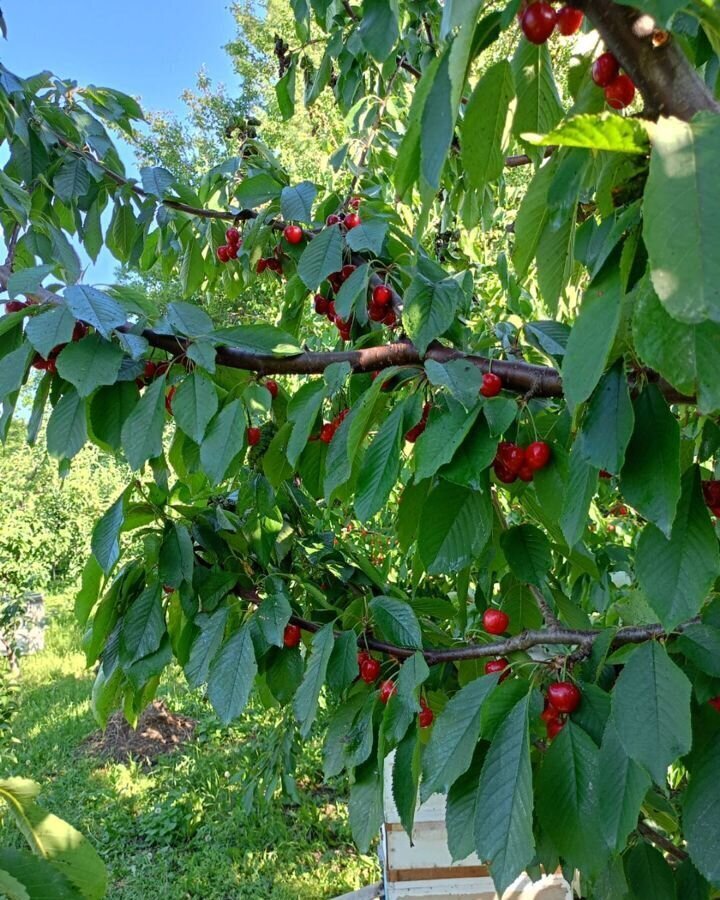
(327,432)
(414,433)
(512,461)
(619,88)
(229,250)
(380,308)
(563,698)
(49,365)
(711,493)
(539,20)
(349,220)
(273,263)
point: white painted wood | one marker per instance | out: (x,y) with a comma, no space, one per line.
(550,887)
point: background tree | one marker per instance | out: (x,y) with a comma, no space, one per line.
(532,626)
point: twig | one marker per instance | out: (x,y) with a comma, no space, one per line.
(12,245)
(660,840)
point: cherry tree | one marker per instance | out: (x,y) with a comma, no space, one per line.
(461,490)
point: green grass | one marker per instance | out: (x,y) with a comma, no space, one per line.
(180,829)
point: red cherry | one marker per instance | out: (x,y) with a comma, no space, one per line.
(376,312)
(327,432)
(362,656)
(168,589)
(331,311)
(253,436)
(498,665)
(711,492)
(352,221)
(550,714)
(15,306)
(291,635)
(262,264)
(355,202)
(504,474)
(538,22)
(605,474)
(387,689)
(150,370)
(715,510)
(272,386)
(232,236)
(569,20)
(169,399)
(233,251)
(414,433)
(554,728)
(390,319)
(293,234)
(715,703)
(161,368)
(223,253)
(511,456)
(51,369)
(620,93)
(381,295)
(347,271)
(605,69)
(79,331)
(537,455)
(564,696)
(491,385)
(332,220)
(321,304)
(425,717)
(369,670)
(495,621)
(525,474)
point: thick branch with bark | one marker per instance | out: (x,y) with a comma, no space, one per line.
(667,81)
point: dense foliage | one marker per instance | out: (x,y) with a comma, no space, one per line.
(502,570)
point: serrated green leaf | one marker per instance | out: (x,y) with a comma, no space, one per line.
(608,423)
(194,405)
(89,363)
(321,257)
(231,676)
(142,431)
(621,790)
(486,125)
(396,622)
(97,309)
(205,645)
(224,440)
(599,131)
(306,698)
(67,426)
(527,550)
(454,527)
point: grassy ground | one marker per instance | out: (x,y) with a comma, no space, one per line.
(179,830)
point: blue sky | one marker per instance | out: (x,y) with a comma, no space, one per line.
(151,49)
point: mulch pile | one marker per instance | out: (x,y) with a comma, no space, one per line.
(158,731)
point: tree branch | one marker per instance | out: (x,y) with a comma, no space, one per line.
(661,841)
(669,84)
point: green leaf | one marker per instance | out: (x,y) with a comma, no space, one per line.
(527,551)
(257,189)
(684,266)
(486,125)
(379,28)
(599,131)
(109,408)
(13,368)
(343,665)
(454,527)
(651,710)
(463,379)
(205,645)
(190,320)
(105,542)
(701,645)
(272,616)
(156,180)
(406,776)
(224,440)
(609,421)
(49,330)
(302,412)
(538,105)
(27,876)
(396,622)
(90,363)
(285,93)
(701,811)
(461,808)
(505,837)
(72,180)
(54,841)
(581,486)
(366,804)
(445,432)
(177,559)
(296,202)
(321,257)
(532,216)
(231,676)
(192,268)
(122,232)
(651,473)
(403,708)
(621,790)
(27,281)
(368,236)
(142,432)
(97,309)
(567,802)
(648,874)
(353,292)
(454,737)
(469,465)
(430,309)
(259,339)
(381,464)
(143,625)
(592,336)
(676,573)
(306,698)
(67,426)
(194,405)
